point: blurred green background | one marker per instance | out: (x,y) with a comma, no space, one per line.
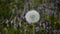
(12,14)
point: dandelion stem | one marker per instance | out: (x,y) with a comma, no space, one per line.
(33,28)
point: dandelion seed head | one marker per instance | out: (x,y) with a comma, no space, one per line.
(32,16)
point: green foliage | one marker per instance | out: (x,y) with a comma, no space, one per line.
(9,12)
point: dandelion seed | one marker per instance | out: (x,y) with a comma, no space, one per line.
(32,16)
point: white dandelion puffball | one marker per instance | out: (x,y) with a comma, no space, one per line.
(32,16)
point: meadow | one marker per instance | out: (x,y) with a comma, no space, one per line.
(12,17)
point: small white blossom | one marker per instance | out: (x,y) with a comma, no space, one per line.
(32,16)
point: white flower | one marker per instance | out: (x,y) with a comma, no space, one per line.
(32,16)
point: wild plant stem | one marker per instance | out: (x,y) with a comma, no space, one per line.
(33,28)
